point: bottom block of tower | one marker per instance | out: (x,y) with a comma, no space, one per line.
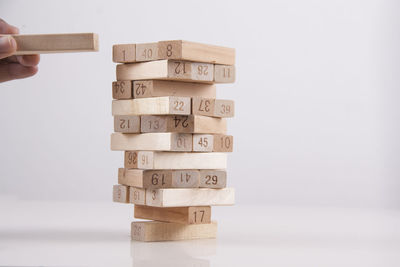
(184,215)
(164,231)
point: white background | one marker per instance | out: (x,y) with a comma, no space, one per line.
(316,98)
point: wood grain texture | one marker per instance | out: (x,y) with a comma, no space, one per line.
(213,107)
(137,195)
(152,106)
(182,124)
(120,193)
(182,197)
(155,88)
(224,74)
(28,44)
(127,123)
(212,143)
(124,53)
(122,90)
(159,178)
(191,51)
(146,52)
(183,215)
(151,141)
(163,231)
(167,70)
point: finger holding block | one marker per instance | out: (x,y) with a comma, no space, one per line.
(163,231)
(183,215)
(127,123)
(152,106)
(213,107)
(212,143)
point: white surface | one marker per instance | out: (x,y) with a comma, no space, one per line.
(97,234)
(317,119)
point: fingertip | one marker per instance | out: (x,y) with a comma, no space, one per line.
(29,60)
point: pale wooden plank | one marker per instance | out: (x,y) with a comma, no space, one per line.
(127,123)
(212,143)
(181,197)
(191,51)
(183,215)
(151,141)
(28,44)
(182,124)
(156,88)
(152,106)
(167,70)
(164,231)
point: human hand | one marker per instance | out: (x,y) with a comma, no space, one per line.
(14,67)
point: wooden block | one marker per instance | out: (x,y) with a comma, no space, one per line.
(224,73)
(152,141)
(146,52)
(28,44)
(139,159)
(159,178)
(212,143)
(167,70)
(152,106)
(164,231)
(184,50)
(122,90)
(127,123)
(178,160)
(213,107)
(182,124)
(120,193)
(212,178)
(137,195)
(184,215)
(124,53)
(155,88)
(182,197)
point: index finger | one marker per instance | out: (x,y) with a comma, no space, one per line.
(6,28)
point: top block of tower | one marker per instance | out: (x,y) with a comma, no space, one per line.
(184,50)
(174,49)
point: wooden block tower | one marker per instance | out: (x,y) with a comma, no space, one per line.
(174,134)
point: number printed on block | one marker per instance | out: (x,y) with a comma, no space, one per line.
(212,178)
(177,123)
(213,107)
(120,193)
(203,142)
(142,89)
(190,70)
(181,142)
(124,53)
(146,52)
(122,90)
(137,195)
(224,73)
(185,178)
(199,215)
(138,160)
(127,123)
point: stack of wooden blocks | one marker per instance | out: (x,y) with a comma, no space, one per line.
(174,134)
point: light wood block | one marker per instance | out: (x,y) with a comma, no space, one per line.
(120,193)
(183,215)
(224,73)
(122,90)
(212,143)
(159,178)
(191,51)
(182,124)
(124,53)
(137,195)
(155,88)
(212,179)
(167,70)
(164,231)
(138,159)
(179,160)
(146,52)
(28,44)
(127,123)
(213,107)
(182,197)
(152,106)
(152,141)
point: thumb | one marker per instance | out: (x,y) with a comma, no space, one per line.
(8,46)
